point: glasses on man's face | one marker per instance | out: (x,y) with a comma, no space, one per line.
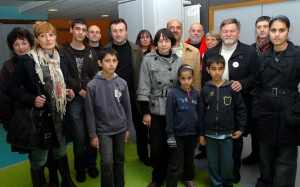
(172,28)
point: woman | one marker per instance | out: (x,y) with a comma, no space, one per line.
(276,105)
(44,64)
(158,76)
(144,41)
(20,41)
(212,39)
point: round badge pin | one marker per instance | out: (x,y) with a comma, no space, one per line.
(235,64)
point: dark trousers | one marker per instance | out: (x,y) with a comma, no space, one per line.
(237,153)
(84,154)
(184,152)
(141,131)
(278,166)
(160,151)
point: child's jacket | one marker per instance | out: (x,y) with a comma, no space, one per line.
(222,110)
(182,112)
(107,106)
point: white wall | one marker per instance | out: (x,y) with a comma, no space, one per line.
(248,15)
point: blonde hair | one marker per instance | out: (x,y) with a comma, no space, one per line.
(42,27)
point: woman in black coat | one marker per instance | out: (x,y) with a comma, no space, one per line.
(276,105)
(43,65)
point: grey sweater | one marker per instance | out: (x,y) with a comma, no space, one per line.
(107,106)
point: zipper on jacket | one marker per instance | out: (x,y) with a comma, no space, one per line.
(217,111)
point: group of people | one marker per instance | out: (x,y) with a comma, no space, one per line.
(212,89)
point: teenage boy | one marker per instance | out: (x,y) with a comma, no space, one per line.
(223,117)
(82,65)
(109,129)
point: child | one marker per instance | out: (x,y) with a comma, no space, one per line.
(222,110)
(108,116)
(182,127)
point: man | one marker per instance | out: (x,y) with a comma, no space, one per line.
(196,38)
(240,69)
(94,36)
(82,64)
(130,59)
(262,29)
(189,54)
(262,44)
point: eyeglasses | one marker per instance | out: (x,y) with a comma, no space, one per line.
(172,28)
(264,26)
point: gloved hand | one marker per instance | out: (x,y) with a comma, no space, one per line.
(171,142)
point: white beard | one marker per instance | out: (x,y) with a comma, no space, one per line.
(228,41)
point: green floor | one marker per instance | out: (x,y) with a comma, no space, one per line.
(136,173)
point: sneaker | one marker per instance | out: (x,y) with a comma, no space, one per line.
(93,172)
(80,176)
(155,184)
(189,184)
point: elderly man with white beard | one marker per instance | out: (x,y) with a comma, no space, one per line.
(196,38)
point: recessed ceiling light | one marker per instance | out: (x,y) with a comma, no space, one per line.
(105,15)
(52,10)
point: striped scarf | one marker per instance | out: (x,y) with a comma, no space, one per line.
(261,45)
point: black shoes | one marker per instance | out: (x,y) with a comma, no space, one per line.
(155,184)
(146,160)
(80,176)
(251,159)
(201,155)
(237,176)
(93,172)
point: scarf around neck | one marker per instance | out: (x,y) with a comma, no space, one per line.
(58,92)
(262,46)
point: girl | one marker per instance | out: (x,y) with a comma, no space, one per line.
(182,127)
(276,104)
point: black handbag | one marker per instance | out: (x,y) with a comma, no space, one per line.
(24,131)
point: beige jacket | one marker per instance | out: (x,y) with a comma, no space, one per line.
(191,56)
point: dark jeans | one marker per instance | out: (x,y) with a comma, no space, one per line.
(184,151)
(237,153)
(254,140)
(84,154)
(278,166)
(141,131)
(160,151)
(112,159)
(220,163)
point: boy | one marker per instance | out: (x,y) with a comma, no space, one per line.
(108,117)
(222,118)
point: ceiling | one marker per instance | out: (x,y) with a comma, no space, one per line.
(68,9)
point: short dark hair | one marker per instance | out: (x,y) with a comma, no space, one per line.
(105,51)
(280,18)
(19,33)
(118,20)
(166,34)
(262,18)
(80,21)
(215,59)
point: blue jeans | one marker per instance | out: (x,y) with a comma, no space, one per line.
(220,162)
(38,157)
(184,152)
(84,154)
(112,159)
(278,166)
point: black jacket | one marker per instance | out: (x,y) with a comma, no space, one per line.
(246,57)
(89,67)
(222,110)
(182,112)
(276,99)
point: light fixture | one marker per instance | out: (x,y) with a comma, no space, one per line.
(105,15)
(52,10)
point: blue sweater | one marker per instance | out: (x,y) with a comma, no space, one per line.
(182,112)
